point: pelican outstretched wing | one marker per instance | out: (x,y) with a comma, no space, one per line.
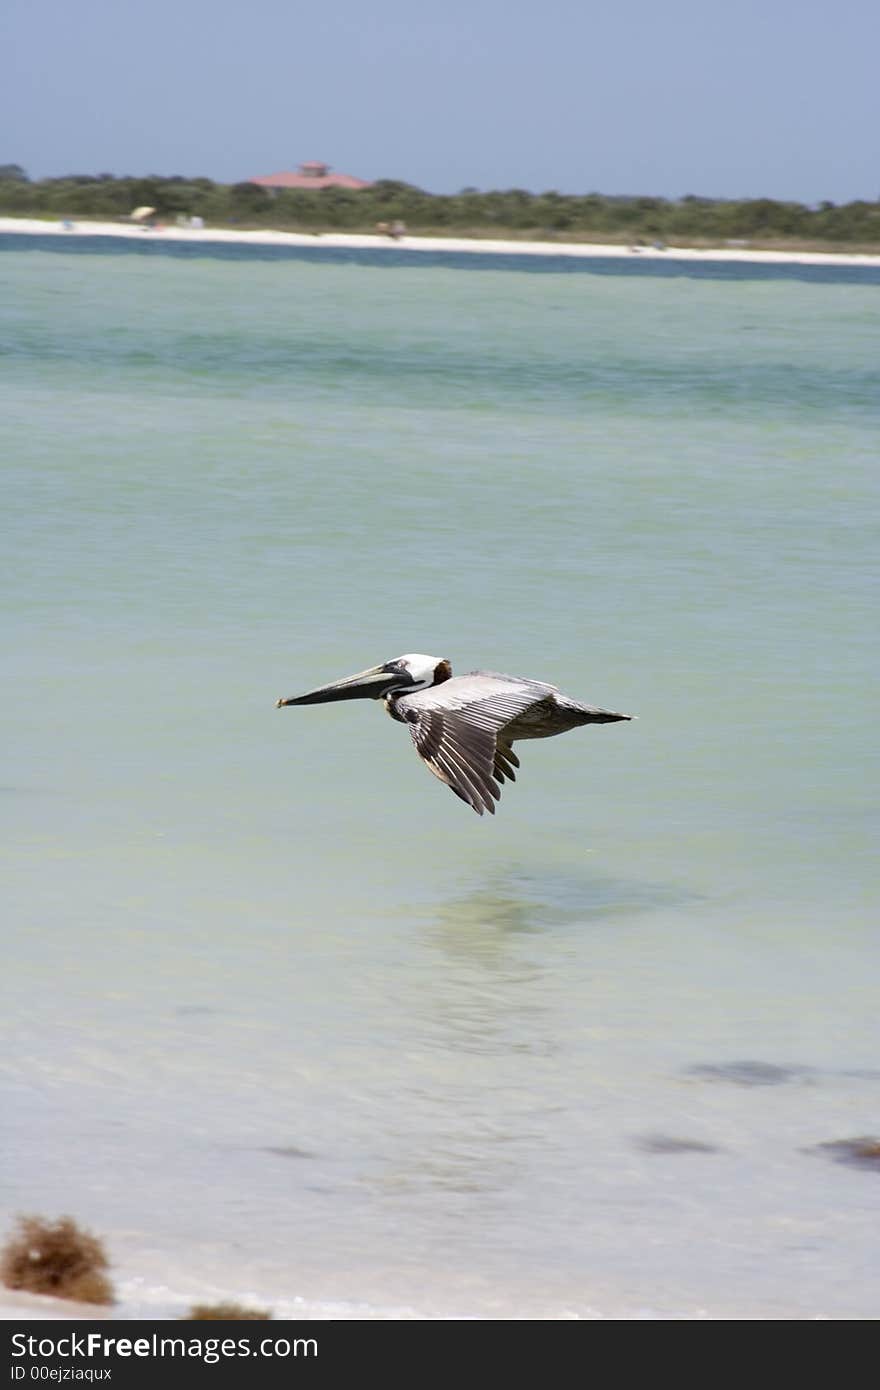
(457,728)
(460,754)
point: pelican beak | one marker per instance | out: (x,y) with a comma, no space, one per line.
(366,685)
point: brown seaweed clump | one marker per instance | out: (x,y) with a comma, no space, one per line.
(226,1312)
(863,1152)
(57,1258)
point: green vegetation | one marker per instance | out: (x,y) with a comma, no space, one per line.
(58,1258)
(513,213)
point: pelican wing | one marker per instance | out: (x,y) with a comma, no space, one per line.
(505,760)
(460,754)
(457,728)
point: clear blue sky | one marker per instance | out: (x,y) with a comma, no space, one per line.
(775,98)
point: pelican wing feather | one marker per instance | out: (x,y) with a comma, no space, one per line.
(459,754)
(505,761)
(457,728)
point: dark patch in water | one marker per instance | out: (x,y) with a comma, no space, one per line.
(529,902)
(287,1151)
(670,1144)
(863,1152)
(862,1073)
(191,1010)
(487,909)
(750,1073)
(382,258)
(575,899)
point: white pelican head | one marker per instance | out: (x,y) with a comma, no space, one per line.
(405,674)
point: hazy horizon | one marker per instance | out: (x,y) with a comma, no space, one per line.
(649,100)
(164,175)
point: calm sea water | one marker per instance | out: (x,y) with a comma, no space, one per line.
(281,1016)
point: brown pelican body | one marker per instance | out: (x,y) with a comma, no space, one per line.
(464,727)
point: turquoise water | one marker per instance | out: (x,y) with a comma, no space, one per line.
(281,1016)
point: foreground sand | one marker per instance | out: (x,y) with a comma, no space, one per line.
(15,1305)
(33,226)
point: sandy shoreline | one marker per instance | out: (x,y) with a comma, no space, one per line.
(26,226)
(17,1306)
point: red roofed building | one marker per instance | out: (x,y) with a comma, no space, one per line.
(312,174)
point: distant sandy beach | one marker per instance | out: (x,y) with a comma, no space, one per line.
(26,226)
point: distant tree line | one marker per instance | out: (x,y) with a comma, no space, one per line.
(512,212)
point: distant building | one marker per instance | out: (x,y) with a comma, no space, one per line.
(312,174)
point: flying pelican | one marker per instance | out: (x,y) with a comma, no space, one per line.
(463,727)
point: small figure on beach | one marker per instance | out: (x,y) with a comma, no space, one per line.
(463,727)
(143,217)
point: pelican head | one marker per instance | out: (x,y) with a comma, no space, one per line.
(404,674)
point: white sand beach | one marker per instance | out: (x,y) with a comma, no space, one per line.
(26,226)
(18,1306)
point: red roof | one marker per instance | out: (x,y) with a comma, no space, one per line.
(312,174)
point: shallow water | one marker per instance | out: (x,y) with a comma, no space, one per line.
(281,1015)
